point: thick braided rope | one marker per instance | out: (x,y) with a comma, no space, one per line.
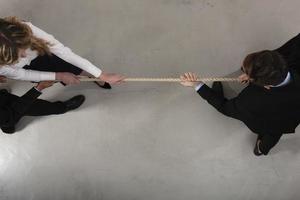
(163,79)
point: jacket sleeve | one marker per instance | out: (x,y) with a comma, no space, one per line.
(13,111)
(290,46)
(227,107)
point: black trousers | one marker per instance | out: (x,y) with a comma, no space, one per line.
(52,63)
(268,140)
(42,108)
(38,108)
(49,63)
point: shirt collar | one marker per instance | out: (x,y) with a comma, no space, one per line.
(285,82)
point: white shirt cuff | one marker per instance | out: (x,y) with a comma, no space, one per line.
(47,76)
(97,72)
(199,86)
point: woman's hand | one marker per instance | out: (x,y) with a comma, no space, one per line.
(67,78)
(44,84)
(189,79)
(111,78)
(3,79)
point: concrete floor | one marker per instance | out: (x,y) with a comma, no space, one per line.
(150,141)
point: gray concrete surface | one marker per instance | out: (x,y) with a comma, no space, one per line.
(150,141)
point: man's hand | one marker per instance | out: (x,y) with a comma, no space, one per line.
(189,80)
(244,78)
(67,78)
(111,78)
(3,79)
(44,84)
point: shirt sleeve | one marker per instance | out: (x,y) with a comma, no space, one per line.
(26,75)
(64,52)
(199,86)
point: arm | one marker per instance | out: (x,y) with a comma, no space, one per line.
(26,75)
(223,105)
(64,52)
(37,76)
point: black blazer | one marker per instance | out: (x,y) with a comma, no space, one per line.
(264,111)
(13,107)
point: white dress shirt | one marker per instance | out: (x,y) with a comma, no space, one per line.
(16,71)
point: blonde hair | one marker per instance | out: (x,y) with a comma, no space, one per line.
(16,35)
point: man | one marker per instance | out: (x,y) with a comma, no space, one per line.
(270,104)
(13,108)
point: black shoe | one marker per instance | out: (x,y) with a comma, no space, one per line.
(8,130)
(3,91)
(105,86)
(74,102)
(256,151)
(218,87)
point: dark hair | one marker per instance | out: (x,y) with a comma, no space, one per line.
(265,67)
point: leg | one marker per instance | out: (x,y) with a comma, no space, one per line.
(52,63)
(265,143)
(42,108)
(39,108)
(55,64)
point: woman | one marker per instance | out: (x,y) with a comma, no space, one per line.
(29,53)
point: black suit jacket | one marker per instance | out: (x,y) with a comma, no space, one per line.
(13,107)
(266,111)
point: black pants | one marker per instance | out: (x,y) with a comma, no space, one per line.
(38,108)
(52,63)
(48,63)
(43,108)
(268,141)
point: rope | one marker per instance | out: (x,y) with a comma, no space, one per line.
(84,78)
(211,79)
